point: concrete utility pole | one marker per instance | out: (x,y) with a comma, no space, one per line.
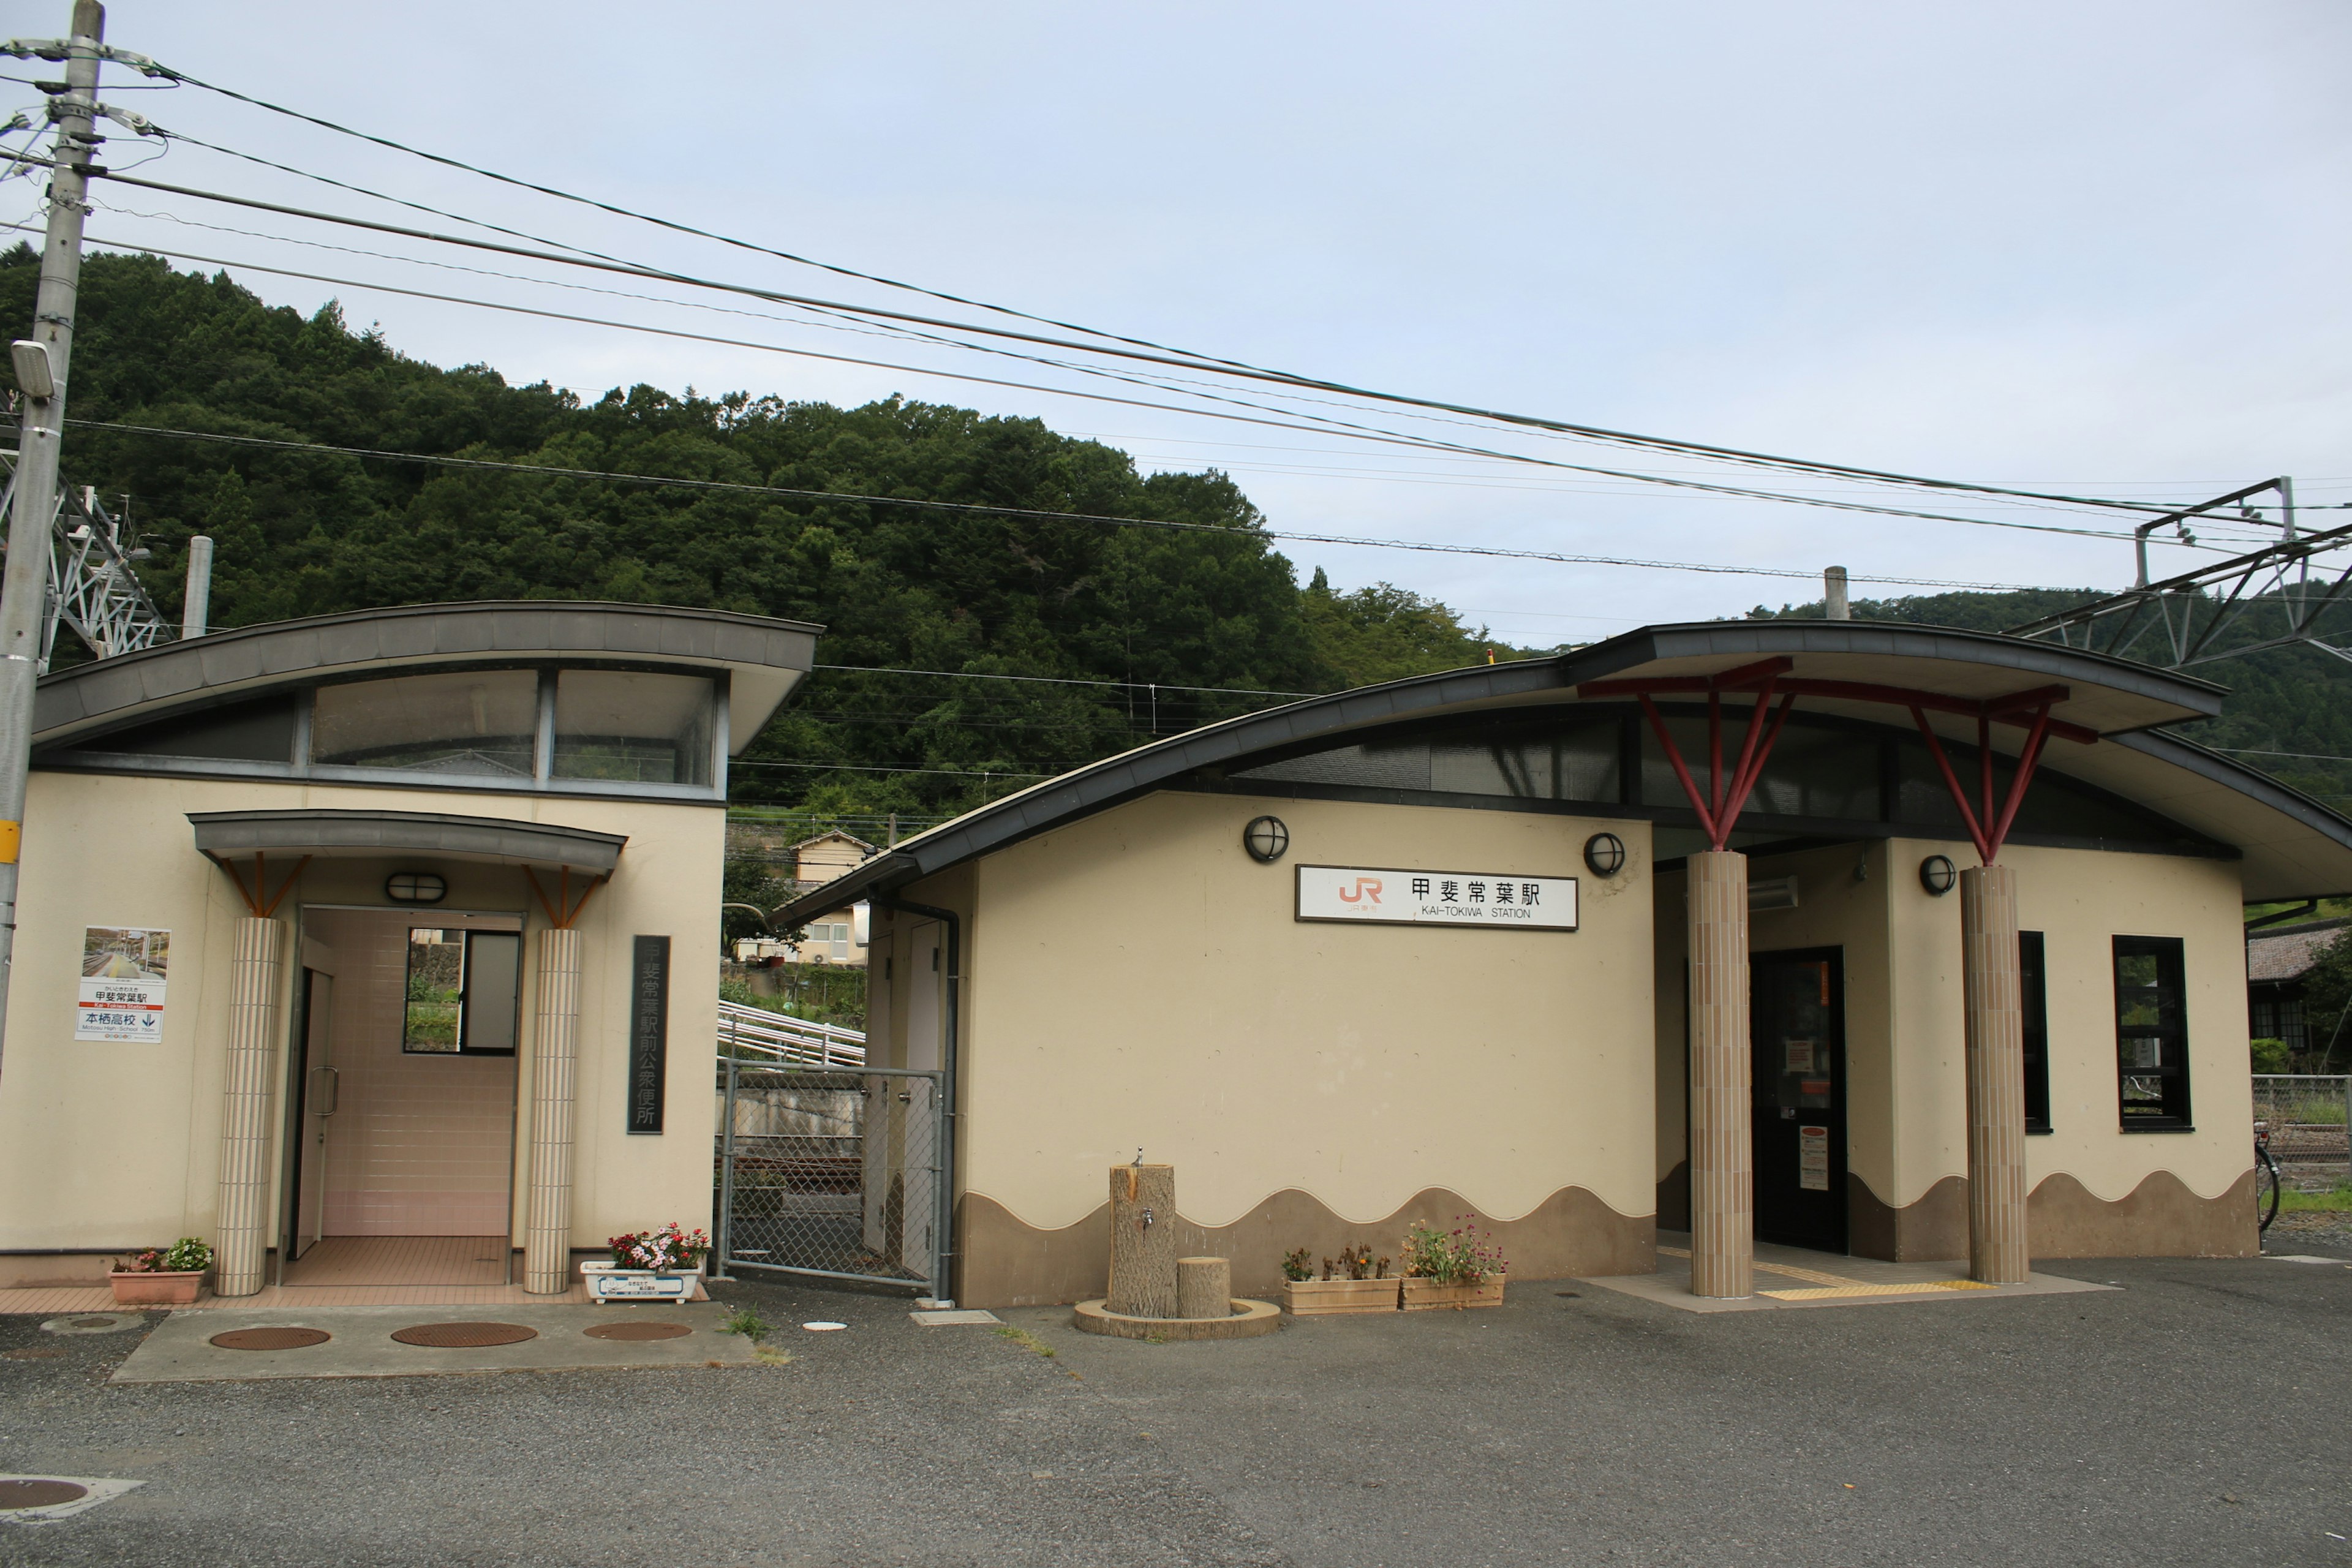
(1834,594)
(43,358)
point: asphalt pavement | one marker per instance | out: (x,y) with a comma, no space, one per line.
(2202,1414)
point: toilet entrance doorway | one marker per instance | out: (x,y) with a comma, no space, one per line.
(403,1087)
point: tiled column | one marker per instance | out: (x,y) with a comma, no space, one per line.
(241,1243)
(1996,1069)
(554,1078)
(1723,1203)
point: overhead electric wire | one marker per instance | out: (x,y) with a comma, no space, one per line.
(983,510)
(1063,680)
(1323,427)
(856,768)
(1195,357)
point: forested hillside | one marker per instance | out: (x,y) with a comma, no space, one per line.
(305,533)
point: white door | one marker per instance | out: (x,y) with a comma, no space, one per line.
(320,1087)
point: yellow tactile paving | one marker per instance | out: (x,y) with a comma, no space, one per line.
(1914,1287)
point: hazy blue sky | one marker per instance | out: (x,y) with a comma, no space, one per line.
(2095,245)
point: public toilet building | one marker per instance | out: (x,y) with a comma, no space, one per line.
(1690,929)
(377,945)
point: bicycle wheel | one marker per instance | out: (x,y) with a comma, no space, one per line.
(2266,1188)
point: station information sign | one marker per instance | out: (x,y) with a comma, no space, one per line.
(1488,900)
(125,971)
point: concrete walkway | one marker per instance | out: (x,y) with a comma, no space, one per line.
(1793,1276)
(181,1349)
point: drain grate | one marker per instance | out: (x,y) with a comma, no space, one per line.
(464,1336)
(39,1494)
(638,1331)
(270,1339)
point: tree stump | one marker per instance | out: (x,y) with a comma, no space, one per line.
(1143,1241)
(1204,1288)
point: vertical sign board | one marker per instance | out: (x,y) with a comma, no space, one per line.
(122,980)
(648,1031)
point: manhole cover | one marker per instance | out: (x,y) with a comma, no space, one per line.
(638,1331)
(270,1339)
(39,1494)
(464,1336)
(32,1352)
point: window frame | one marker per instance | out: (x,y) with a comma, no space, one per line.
(2033,997)
(2170,953)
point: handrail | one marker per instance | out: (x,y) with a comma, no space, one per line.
(756,1032)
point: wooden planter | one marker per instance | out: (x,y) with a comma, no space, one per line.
(1430,1296)
(155,1289)
(1311,1298)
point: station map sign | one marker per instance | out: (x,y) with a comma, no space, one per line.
(1488,900)
(125,970)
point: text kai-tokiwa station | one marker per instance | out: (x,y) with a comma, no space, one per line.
(387,933)
(1894,940)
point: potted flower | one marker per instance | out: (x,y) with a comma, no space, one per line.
(663,1265)
(162,1276)
(1456,1268)
(1355,1282)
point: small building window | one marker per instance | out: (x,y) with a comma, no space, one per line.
(464,991)
(476,722)
(259,731)
(2152,1032)
(637,728)
(2034,988)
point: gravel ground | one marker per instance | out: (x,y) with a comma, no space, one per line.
(2319,1231)
(2197,1416)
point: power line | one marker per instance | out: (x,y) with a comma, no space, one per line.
(855,768)
(1194,357)
(1373,432)
(740,487)
(1067,680)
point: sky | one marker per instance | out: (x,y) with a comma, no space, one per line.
(2095,247)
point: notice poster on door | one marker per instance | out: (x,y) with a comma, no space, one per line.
(1814,1159)
(123,970)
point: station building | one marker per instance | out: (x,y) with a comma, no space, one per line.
(377,933)
(1424,950)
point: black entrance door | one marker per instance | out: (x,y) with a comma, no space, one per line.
(1797,1021)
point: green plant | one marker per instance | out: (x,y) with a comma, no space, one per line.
(1024,1339)
(2270,1056)
(747,1321)
(189,1255)
(1462,1256)
(670,1247)
(1297,1265)
(2335,1200)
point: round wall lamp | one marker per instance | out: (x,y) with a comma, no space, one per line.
(1936,875)
(1604,854)
(1266,839)
(414,888)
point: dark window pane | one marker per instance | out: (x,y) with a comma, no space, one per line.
(474,724)
(2034,994)
(260,731)
(2151,1034)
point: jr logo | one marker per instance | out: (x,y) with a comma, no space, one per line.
(1367,889)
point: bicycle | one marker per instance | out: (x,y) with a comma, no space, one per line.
(2266,1179)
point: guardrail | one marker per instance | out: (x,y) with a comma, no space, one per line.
(754,1034)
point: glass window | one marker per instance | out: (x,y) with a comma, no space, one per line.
(260,731)
(2151,1032)
(2034,986)
(437,988)
(478,723)
(464,991)
(637,728)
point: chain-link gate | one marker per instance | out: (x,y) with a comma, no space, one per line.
(2310,1121)
(832,1172)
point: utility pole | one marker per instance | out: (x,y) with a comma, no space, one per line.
(43,360)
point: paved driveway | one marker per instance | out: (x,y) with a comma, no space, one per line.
(2202,1415)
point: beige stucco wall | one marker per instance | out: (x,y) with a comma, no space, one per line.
(1138,980)
(2081,900)
(116,1146)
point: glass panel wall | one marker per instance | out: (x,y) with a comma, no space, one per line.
(480,723)
(635,728)
(261,731)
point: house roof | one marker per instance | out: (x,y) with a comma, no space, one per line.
(2275,956)
(831,834)
(2292,846)
(764,658)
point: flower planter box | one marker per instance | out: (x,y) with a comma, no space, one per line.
(608,1283)
(155,1289)
(1431,1296)
(1310,1298)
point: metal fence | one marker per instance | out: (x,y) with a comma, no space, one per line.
(831,1172)
(2309,1117)
(755,1032)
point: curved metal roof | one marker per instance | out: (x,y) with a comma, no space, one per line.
(766,657)
(228,835)
(2293,845)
